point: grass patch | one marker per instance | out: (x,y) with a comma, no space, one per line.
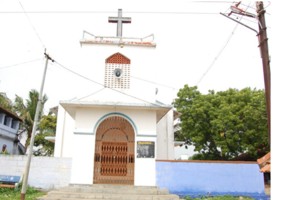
(219,198)
(15,194)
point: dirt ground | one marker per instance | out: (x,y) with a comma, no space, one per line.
(268,189)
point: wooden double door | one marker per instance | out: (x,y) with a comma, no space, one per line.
(114,152)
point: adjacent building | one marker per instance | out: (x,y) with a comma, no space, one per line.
(9,128)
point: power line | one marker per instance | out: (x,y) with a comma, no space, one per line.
(84,77)
(218,55)
(199,1)
(32,26)
(224,2)
(220,52)
(108,12)
(155,83)
(92,93)
(18,64)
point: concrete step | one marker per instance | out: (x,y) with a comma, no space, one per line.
(113,192)
(117,189)
(113,197)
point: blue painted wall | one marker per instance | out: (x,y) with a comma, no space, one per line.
(214,178)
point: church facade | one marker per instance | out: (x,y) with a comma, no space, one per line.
(115,135)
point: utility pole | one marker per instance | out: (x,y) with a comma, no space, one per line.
(35,124)
(264,50)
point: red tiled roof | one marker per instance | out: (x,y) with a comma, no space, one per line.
(265,163)
(118,58)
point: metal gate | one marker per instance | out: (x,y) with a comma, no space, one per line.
(114,152)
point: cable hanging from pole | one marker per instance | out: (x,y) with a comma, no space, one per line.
(32,26)
(34,128)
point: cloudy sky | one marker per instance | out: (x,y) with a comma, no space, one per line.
(195,45)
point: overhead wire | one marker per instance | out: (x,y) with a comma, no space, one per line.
(155,83)
(199,1)
(84,77)
(32,26)
(220,52)
(154,12)
(102,12)
(91,94)
(18,64)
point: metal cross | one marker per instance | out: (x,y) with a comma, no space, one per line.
(119,20)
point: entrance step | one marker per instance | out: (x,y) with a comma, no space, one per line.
(109,192)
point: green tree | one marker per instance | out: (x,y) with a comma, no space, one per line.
(26,110)
(47,128)
(5,102)
(224,125)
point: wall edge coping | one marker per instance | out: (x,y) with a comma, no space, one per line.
(209,161)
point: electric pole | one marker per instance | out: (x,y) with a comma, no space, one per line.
(35,124)
(264,51)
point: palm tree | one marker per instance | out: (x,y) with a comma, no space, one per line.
(26,110)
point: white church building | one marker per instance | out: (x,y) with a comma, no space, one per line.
(115,135)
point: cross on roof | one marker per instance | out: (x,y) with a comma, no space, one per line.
(119,20)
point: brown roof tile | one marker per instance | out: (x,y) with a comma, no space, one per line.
(265,163)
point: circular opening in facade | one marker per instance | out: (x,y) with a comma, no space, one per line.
(118,72)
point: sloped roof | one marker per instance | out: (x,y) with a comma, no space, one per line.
(9,113)
(265,163)
(117,58)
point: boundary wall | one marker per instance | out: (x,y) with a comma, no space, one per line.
(184,178)
(45,172)
(210,178)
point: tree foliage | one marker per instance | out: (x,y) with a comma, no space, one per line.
(5,102)
(224,125)
(47,128)
(26,110)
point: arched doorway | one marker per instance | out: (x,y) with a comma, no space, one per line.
(114,152)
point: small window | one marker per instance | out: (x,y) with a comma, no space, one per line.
(1,118)
(14,124)
(6,120)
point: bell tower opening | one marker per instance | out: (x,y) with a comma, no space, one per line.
(117,72)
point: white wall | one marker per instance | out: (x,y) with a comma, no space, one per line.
(144,169)
(165,137)
(8,134)
(79,141)
(64,137)
(9,144)
(83,159)
(45,172)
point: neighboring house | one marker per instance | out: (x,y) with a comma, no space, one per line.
(9,127)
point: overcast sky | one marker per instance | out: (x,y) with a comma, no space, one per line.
(195,45)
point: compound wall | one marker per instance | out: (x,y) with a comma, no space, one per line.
(200,178)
